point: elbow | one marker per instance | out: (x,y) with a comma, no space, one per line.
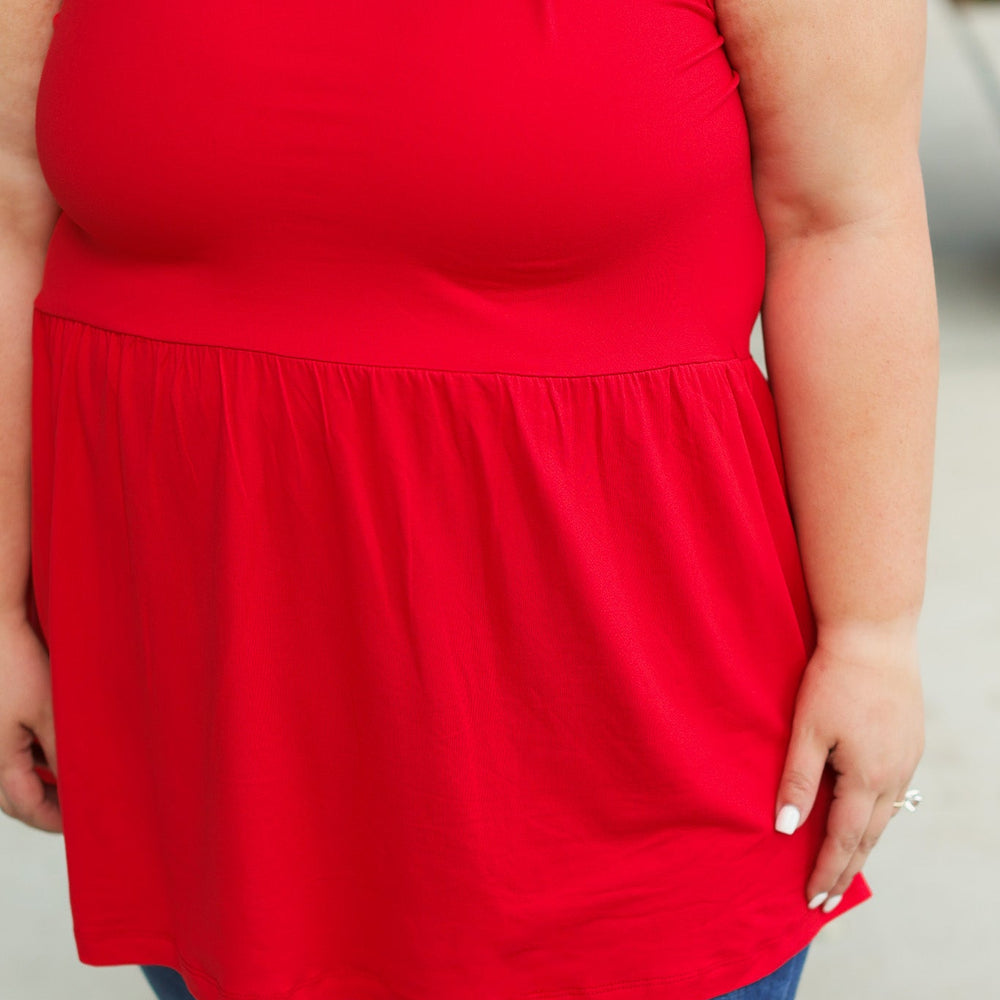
(827,205)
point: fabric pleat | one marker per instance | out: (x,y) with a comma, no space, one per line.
(429,682)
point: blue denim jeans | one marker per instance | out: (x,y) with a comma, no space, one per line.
(781,985)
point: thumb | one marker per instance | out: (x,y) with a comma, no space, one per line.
(41,725)
(43,752)
(800,780)
(45,732)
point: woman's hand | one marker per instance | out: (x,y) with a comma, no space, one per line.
(832,91)
(26,715)
(860,708)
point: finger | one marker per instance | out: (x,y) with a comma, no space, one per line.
(40,727)
(849,817)
(28,798)
(900,796)
(881,814)
(44,730)
(800,780)
(34,802)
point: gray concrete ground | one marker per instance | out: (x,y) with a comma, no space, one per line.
(930,930)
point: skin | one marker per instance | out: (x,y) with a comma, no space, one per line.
(832,92)
(27,215)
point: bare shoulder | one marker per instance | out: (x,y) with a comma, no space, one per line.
(832,91)
(25,33)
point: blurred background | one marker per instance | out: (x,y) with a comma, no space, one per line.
(930,930)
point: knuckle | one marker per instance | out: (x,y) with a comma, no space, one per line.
(798,783)
(847,843)
(874,780)
(879,779)
(868,842)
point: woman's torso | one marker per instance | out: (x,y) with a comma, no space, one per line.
(538,186)
(414,677)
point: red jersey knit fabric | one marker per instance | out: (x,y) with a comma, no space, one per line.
(409,527)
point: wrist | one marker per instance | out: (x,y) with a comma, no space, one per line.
(861,637)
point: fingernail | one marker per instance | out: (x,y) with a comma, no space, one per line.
(832,903)
(788,820)
(816,900)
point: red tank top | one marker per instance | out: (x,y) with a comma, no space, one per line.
(409,526)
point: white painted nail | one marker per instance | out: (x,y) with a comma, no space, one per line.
(816,900)
(832,903)
(788,820)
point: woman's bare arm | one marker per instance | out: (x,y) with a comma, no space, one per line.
(27,215)
(832,91)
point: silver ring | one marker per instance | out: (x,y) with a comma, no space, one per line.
(911,800)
